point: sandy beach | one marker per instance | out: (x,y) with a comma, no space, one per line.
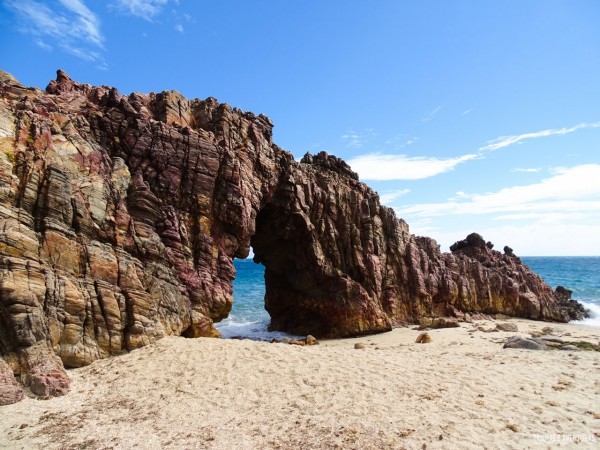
(462,390)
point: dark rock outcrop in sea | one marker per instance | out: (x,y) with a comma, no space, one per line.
(120,217)
(574,309)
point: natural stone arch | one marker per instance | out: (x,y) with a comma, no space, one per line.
(120,217)
(310,240)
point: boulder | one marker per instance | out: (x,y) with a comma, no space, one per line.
(10,391)
(507,326)
(423,338)
(525,343)
(573,309)
(570,347)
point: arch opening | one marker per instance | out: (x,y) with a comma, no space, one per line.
(248,318)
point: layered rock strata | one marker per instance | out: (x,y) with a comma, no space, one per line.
(120,217)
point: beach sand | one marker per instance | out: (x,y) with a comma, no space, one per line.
(462,390)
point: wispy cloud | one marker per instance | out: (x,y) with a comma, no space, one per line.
(379,166)
(41,44)
(527,170)
(179,28)
(358,139)
(70,25)
(468,111)
(387,166)
(86,21)
(400,141)
(505,141)
(430,114)
(574,189)
(389,197)
(144,9)
(352,139)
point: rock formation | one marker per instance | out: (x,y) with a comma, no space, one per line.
(573,309)
(120,217)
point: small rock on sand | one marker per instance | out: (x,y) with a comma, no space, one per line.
(513,427)
(525,343)
(438,322)
(570,347)
(311,340)
(507,326)
(423,338)
(359,346)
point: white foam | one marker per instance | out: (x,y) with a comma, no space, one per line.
(254,330)
(594,320)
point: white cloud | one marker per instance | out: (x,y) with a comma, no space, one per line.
(86,21)
(555,217)
(505,141)
(459,195)
(541,238)
(574,189)
(537,238)
(144,9)
(527,170)
(73,28)
(468,111)
(389,196)
(179,28)
(377,166)
(558,216)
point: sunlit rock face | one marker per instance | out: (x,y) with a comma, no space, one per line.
(120,216)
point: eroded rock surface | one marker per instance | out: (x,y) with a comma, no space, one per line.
(10,391)
(574,309)
(120,216)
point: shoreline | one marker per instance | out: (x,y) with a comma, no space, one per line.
(462,390)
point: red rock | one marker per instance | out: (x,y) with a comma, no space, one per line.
(120,217)
(423,338)
(10,392)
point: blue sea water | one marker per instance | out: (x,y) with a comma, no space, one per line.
(581,274)
(249,319)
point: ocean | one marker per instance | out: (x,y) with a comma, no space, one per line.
(581,274)
(249,319)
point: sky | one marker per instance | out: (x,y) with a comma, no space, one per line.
(465,116)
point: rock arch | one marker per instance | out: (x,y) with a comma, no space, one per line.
(120,216)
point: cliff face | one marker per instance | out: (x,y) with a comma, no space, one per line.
(120,217)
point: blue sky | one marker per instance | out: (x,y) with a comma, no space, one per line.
(464,115)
